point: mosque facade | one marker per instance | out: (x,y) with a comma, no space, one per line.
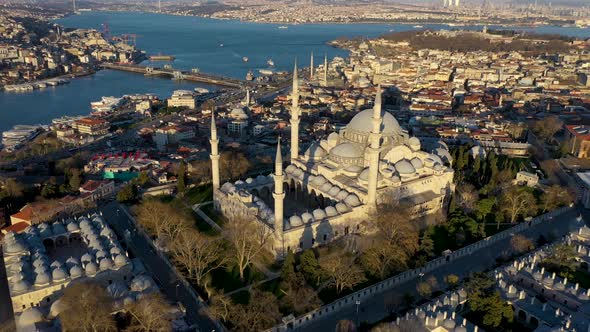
(332,189)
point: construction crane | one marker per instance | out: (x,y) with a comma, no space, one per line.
(129,38)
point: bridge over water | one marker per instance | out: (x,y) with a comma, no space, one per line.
(183,75)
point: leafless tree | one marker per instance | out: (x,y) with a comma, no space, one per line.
(342,271)
(13,188)
(554,196)
(248,239)
(405,325)
(162,220)
(345,325)
(198,254)
(515,202)
(233,165)
(548,127)
(150,313)
(86,307)
(521,244)
(467,196)
(261,312)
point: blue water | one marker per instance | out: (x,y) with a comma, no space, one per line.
(195,42)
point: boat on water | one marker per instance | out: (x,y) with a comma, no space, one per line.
(270,62)
(220,45)
(266,71)
(66,119)
(245,59)
(418,26)
(201,90)
(106,104)
(250,76)
(283,27)
(18,135)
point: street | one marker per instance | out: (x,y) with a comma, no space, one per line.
(382,304)
(172,287)
(6,315)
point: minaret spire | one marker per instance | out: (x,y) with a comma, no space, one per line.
(374,150)
(214,153)
(311,67)
(325,69)
(295,115)
(279,196)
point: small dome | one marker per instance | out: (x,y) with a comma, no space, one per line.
(239,114)
(319,214)
(42,279)
(414,144)
(333,139)
(331,211)
(388,171)
(59,274)
(56,308)
(298,173)
(290,169)
(319,180)
(106,264)
(41,268)
(55,264)
(121,260)
(347,150)
(107,232)
(85,224)
(29,318)
(40,261)
(72,261)
(477,151)
(72,227)
(91,268)
(86,258)
(228,187)
(404,167)
(117,290)
(444,155)
(417,163)
(315,152)
(142,283)
(342,195)
(261,179)
(334,191)
(342,208)
(449,324)
(14,248)
(239,183)
(352,200)
(307,217)
(295,221)
(250,181)
(460,329)
(100,255)
(76,271)
(355,169)
(21,286)
(325,188)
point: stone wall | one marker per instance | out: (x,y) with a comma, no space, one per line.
(394,281)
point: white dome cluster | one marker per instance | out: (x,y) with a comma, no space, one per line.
(29,267)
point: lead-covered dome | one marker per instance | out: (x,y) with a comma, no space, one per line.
(363,123)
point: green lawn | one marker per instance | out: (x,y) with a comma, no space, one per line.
(199,194)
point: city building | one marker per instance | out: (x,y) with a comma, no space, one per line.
(91,126)
(172,134)
(579,140)
(182,98)
(337,183)
(98,190)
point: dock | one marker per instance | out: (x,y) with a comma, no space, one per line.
(161,58)
(181,75)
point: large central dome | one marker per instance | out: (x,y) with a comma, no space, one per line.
(363,123)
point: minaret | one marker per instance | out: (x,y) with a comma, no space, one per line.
(295,116)
(325,70)
(375,145)
(247,97)
(311,67)
(279,196)
(214,153)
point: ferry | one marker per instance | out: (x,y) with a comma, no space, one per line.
(245,59)
(270,62)
(283,27)
(266,71)
(220,45)
(418,26)
(66,119)
(106,104)
(201,90)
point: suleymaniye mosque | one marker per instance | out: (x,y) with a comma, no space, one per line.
(331,189)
